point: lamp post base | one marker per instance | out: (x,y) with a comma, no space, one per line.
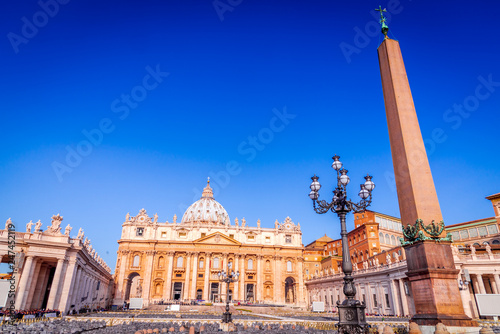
(352,317)
(226,317)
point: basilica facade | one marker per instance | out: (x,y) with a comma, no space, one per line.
(181,260)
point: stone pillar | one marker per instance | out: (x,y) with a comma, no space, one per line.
(395,299)
(279,293)
(242,278)
(69,285)
(54,290)
(39,286)
(260,274)
(480,282)
(23,284)
(33,284)
(368,297)
(194,279)
(187,278)
(404,300)
(223,286)
(120,288)
(146,291)
(237,283)
(494,287)
(300,298)
(167,289)
(44,286)
(206,278)
(497,281)
(76,287)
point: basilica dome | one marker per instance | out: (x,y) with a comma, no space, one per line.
(206,210)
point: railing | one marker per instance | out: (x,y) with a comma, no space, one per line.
(361,271)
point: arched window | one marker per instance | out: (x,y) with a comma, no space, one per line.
(381,238)
(361,256)
(393,240)
(179,262)
(289,266)
(387,239)
(307,271)
(161,262)
(216,262)
(496,242)
(201,263)
(230,264)
(268,265)
(136,261)
(486,243)
(250,264)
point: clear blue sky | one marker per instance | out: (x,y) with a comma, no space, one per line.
(180,89)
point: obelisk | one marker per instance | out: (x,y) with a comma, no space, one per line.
(431,269)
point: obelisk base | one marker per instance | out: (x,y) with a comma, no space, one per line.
(433,280)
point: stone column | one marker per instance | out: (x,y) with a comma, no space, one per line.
(497,281)
(146,291)
(167,289)
(480,282)
(33,284)
(186,275)
(404,301)
(368,297)
(54,290)
(236,284)
(194,279)
(242,278)
(224,287)
(44,286)
(76,287)
(278,292)
(206,278)
(23,284)
(395,299)
(300,298)
(120,288)
(259,279)
(493,286)
(39,286)
(69,285)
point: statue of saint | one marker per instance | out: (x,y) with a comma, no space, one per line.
(258,223)
(472,250)
(80,234)
(38,226)
(127,217)
(488,249)
(388,259)
(243,221)
(8,223)
(175,218)
(67,230)
(28,226)
(155,218)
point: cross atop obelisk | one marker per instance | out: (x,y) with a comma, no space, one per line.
(385,28)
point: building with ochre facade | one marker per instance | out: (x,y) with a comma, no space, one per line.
(180,260)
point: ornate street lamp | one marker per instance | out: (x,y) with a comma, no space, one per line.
(351,311)
(227,278)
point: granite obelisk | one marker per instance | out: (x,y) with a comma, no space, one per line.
(431,270)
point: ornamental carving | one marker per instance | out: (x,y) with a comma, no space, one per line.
(420,232)
(287,226)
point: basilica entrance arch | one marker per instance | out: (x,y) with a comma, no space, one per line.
(134,286)
(290,292)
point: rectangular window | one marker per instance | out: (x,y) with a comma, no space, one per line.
(251,237)
(456,236)
(387,300)
(203,235)
(200,275)
(250,277)
(492,229)
(482,231)
(182,234)
(268,239)
(473,232)
(464,234)
(231,236)
(288,239)
(163,234)
(139,232)
(178,275)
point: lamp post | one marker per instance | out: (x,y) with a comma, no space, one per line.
(351,311)
(229,277)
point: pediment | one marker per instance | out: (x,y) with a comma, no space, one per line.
(216,239)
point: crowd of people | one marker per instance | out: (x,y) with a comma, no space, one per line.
(31,314)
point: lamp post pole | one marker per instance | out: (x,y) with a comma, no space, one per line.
(229,277)
(351,311)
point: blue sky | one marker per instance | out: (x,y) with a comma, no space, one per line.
(259,95)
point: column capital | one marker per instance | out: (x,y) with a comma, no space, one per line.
(170,253)
(150,252)
(125,251)
(208,254)
(196,253)
(278,257)
(260,256)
